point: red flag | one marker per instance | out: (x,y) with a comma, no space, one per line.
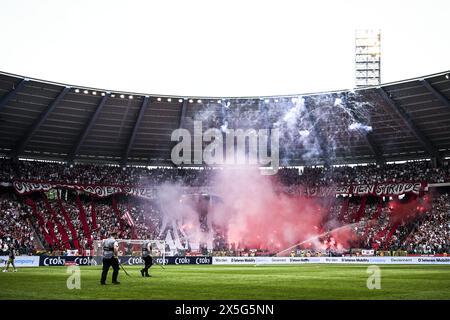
(127,217)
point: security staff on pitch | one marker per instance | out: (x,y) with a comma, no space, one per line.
(12,257)
(110,259)
(146,256)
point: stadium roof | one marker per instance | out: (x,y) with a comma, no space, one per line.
(45,120)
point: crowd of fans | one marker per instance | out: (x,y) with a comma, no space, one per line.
(370,174)
(412,227)
(20,227)
(77,220)
(15,229)
(424,233)
(106,216)
(99,174)
(365,174)
(150,176)
(429,233)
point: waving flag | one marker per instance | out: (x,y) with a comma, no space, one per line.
(127,217)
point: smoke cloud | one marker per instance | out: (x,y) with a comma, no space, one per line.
(252,212)
(355,126)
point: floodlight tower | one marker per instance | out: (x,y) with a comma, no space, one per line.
(367,57)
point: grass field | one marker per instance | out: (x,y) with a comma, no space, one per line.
(233,282)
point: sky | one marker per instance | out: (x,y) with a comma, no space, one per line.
(218,48)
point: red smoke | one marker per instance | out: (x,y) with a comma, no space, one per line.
(257,217)
(254,214)
(408,210)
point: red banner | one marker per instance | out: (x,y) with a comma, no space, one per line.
(379,189)
(27,187)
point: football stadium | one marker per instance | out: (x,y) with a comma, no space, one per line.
(343,194)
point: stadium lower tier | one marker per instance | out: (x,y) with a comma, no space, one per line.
(68,222)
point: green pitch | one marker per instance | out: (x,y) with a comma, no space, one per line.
(233,282)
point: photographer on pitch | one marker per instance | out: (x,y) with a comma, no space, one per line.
(146,256)
(110,259)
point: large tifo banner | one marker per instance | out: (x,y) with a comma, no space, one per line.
(22,261)
(327,260)
(380,189)
(27,187)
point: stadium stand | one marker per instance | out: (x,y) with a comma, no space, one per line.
(311,176)
(72,221)
(53,133)
(15,226)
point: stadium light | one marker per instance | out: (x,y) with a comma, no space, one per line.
(102,94)
(130,97)
(266,100)
(94,93)
(169,99)
(219,101)
(180,100)
(122,96)
(159,99)
(113,95)
(190,100)
(77,90)
(199,101)
(86,92)
(447,76)
(367,57)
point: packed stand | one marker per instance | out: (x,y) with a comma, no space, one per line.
(152,176)
(430,232)
(15,226)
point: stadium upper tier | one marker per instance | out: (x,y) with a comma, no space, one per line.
(395,121)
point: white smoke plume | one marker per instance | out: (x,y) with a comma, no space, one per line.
(355,126)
